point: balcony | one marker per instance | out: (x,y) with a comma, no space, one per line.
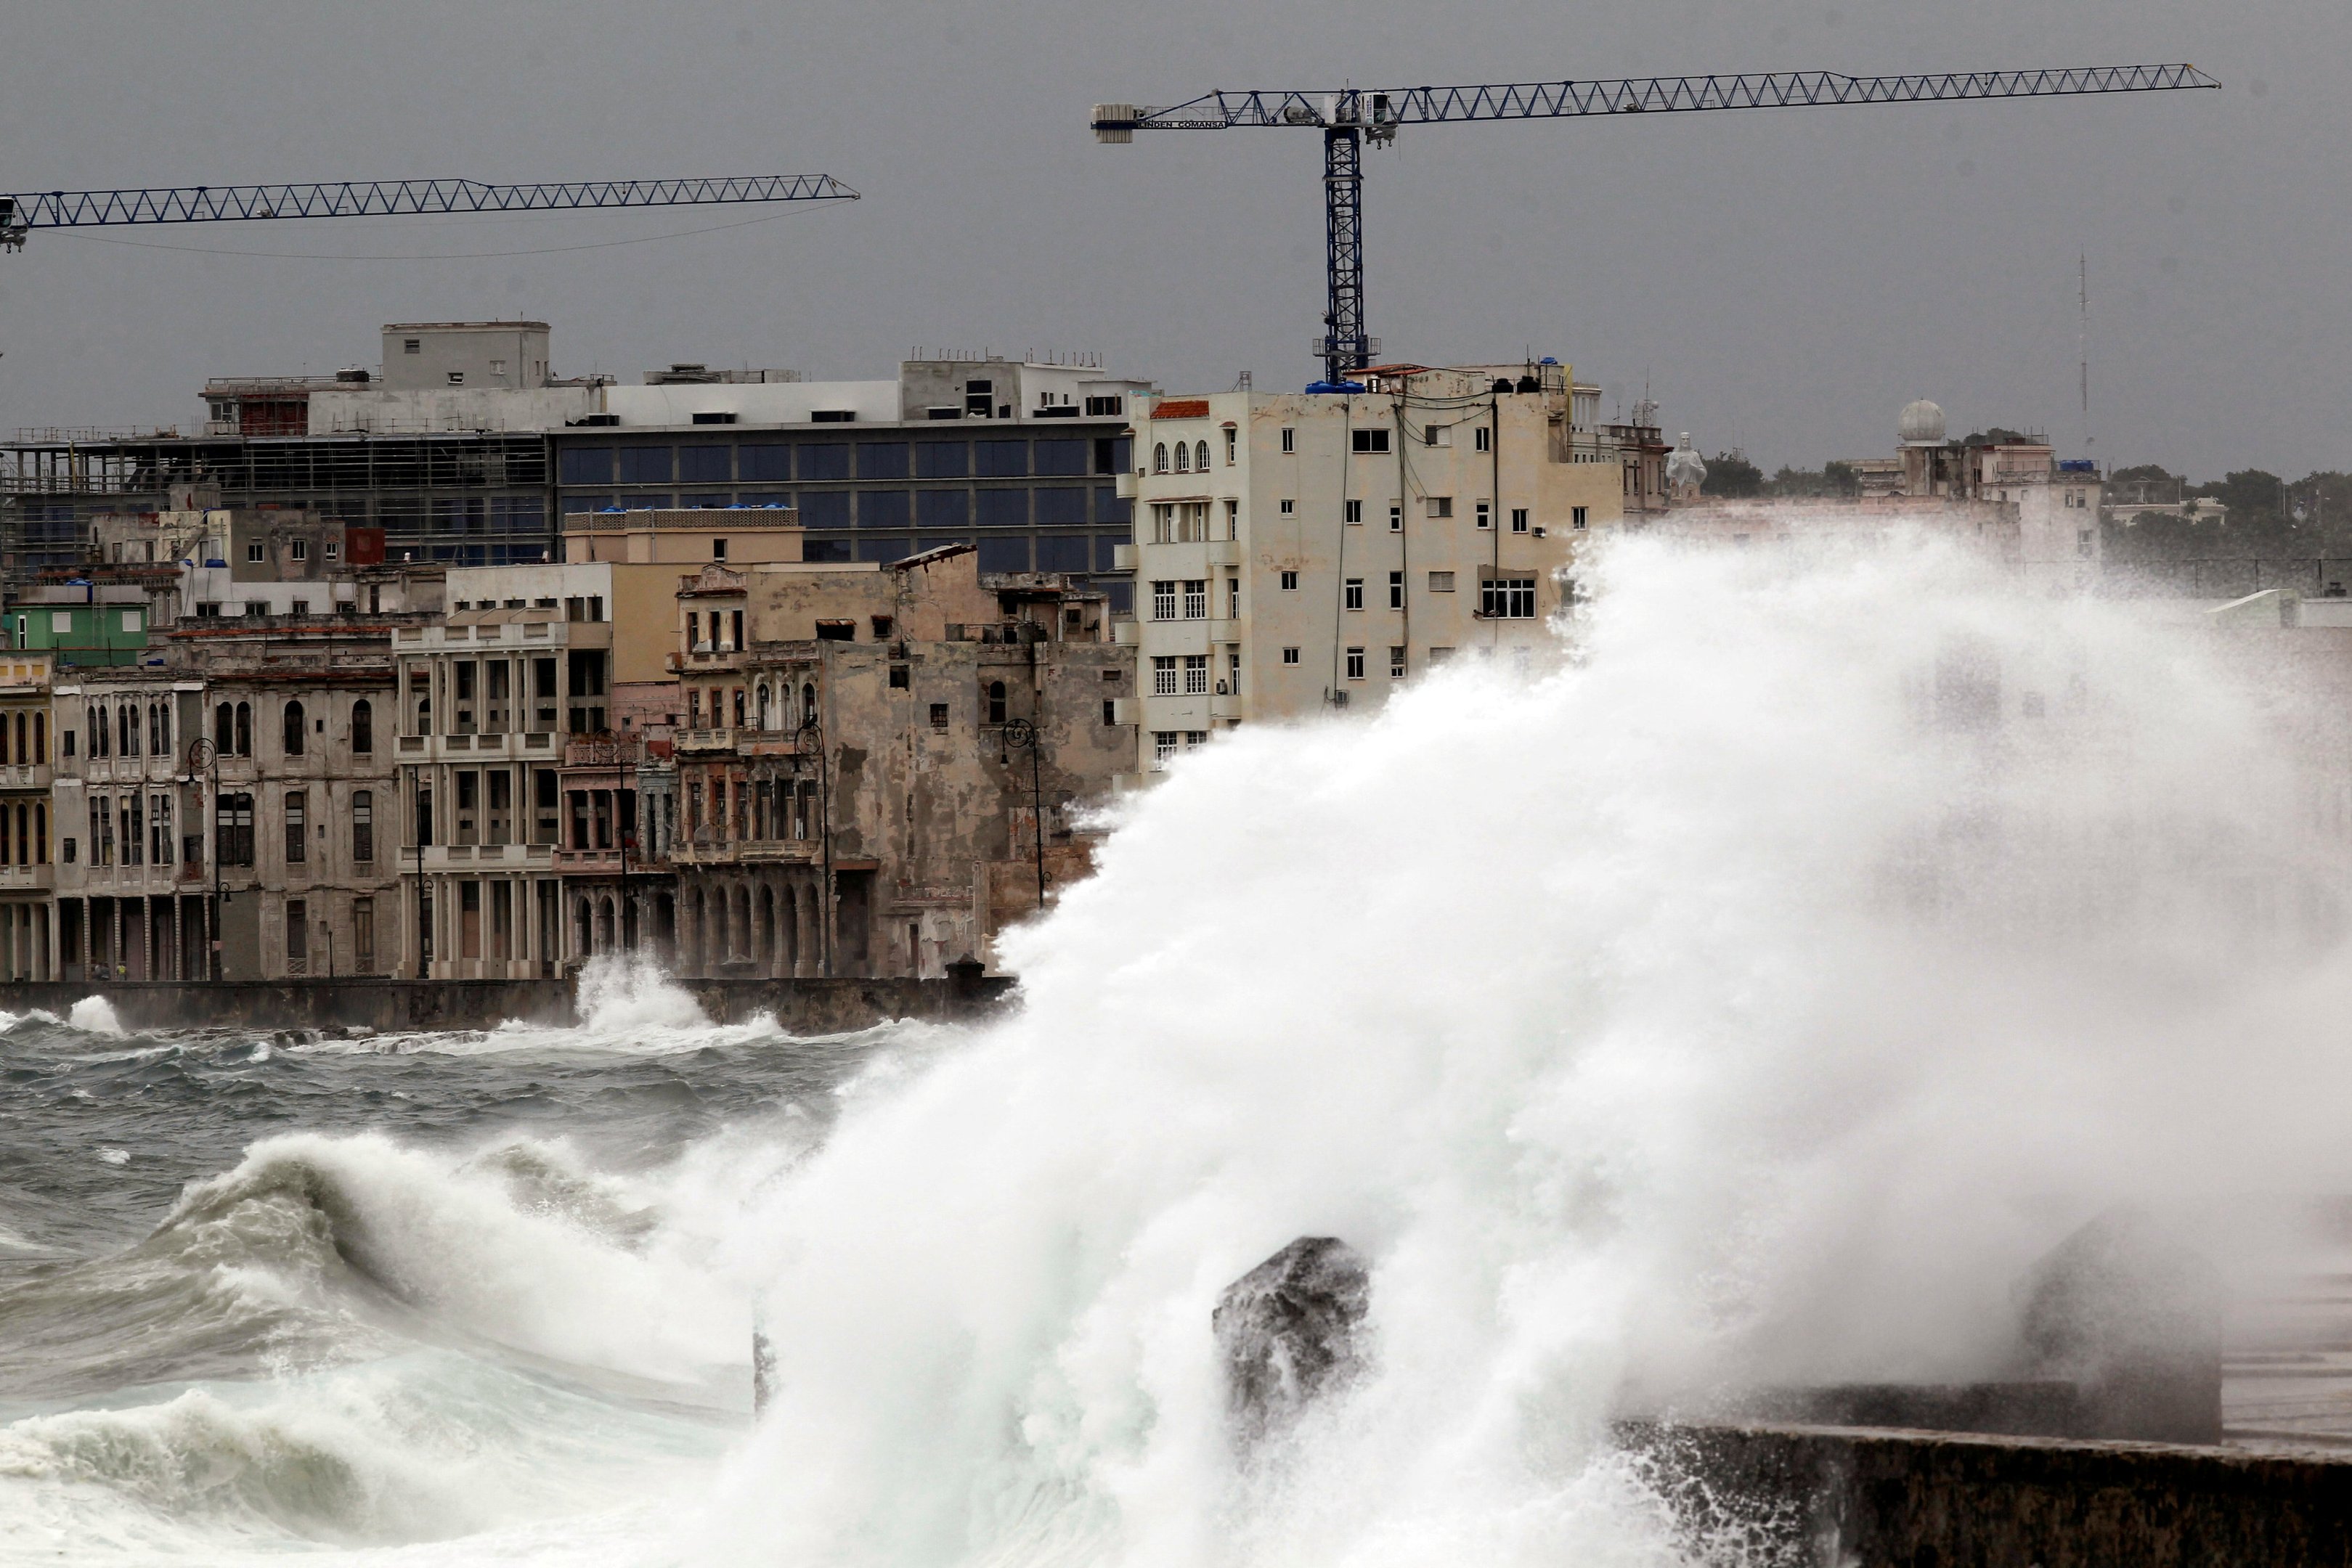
(25,775)
(589,863)
(1122,558)
(25,878)
(705,740)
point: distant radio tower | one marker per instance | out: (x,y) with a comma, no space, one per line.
(2083,295)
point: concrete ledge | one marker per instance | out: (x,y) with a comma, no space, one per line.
(799,1007)
(1873,1498)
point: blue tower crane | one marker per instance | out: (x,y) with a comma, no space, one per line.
(23,210)
(1352,115)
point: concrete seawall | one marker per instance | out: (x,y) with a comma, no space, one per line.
(799,1006)
(1871,1498)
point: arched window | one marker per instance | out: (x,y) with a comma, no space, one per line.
(362,727)
(101,729)
(763,704)
(996,702)
(739,707)
(244,729)
(294,726)
(22,754)
(40,737)
(808,704)
(1160,457)
(126,729)
(224,737)
(1201,456)
(1183,458)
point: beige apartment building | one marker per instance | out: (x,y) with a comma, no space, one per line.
(1297,552)
(28,933)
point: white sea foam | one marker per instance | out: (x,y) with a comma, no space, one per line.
(1748,1001)
(94,1015)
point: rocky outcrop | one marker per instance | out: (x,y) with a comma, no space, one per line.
(1289,1332)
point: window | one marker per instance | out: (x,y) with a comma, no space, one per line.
(1160,457)
(297,833)
(939,716)
(1439,506)
(1396,518)
(1355,593)
(1232,440)
(1163,599)
(245,733)
(253,553)
(1354,511)
(159,830)
(1183,458)
(1290,439)
(1196,599)
(1163,676)
(1201,456)
(133,810)
(1106,407)
(1441,582)
(223,736)
(1396,590)
(1110,710)
(1290,655)
(362,727)
(1396,663)
(1485,442)
(1368,440)
(1507,597)
(233,829)
(718,549)
(1233,598)
(2082,546)
(1196,675)
(1163,746)
(1520,519)
(1355,663)
(297,550)
(364,826)
(1290,508)
(1486,515)
(1576,516)
(1437,434)
(1163,522)
(1289,582)
(364,934)
(411,345)
(60,623)
(131,620)
(294,726)
(996,705)
(735,624)
(1233,519)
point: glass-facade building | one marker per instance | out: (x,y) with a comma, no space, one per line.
(1032,496)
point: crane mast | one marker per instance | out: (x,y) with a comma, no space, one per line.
(1350,117)
(23,210)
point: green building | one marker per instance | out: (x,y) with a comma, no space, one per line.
(80,624)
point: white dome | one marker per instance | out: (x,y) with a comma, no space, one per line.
(1922,422)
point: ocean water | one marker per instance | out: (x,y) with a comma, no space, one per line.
(1751,1001)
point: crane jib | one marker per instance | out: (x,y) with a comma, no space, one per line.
(1371,107)
(26,210)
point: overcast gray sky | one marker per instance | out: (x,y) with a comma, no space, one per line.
(1783,280)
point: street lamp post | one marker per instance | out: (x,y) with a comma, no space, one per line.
(1020,735)
(204,757)
(809,741)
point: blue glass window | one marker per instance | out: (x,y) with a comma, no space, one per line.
(825,549)
(1110,509)
(1060,508)
(1004,554)
(1004,508)
(1122,596)
(1062,552)
(1001,459)
(941,460)
(768,462)
(645,466)
(882,550)
(825,510)
(587,465)
(942,509)
(1061,457)
(824,460)
(706,465)
(1105,545)
(651,498)
(882,509)
(693,501)
(517,514)
(586,503)
(881,460)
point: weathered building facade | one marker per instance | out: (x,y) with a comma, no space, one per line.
(877,763)
(28,949)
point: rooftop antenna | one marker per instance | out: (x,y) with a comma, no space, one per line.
(2083,296)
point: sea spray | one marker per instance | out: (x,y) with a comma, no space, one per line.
(94,1015)
(1749,1001)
